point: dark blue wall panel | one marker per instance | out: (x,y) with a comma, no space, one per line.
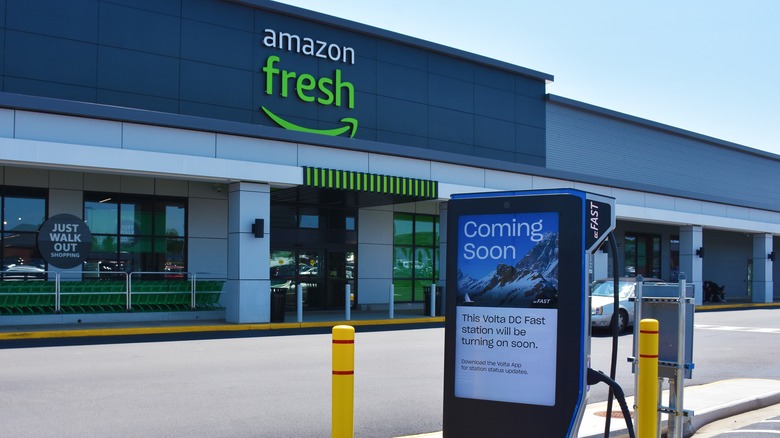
(450,67)
(206,57)
(449,125)
(454,94)
(494,134)
(402,116)
(130,71)
(50,89)
(170,7)
(138,29)
(52,59)
(135,100)
(495,103)
(220,13)
(493,78)
(215,84)
(217,45)
(401,82)
(72,19)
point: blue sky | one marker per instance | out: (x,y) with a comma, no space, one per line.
(707,66)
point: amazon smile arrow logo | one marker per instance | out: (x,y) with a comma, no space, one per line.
(351,125)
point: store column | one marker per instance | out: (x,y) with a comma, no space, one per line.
(763,286)
(248,255)
(692,257)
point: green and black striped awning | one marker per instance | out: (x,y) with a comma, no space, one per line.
(419,189)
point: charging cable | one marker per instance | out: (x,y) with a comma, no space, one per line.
(596,377)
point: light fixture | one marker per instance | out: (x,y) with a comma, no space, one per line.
(700,252)
(771,256)
(258,228)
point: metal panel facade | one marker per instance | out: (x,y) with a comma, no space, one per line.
(226,60)
(599,145)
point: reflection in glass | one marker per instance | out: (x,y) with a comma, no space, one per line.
(101,217)
(136,233)
(23,214)
(416,254)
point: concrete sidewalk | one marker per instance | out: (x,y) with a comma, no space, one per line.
(709,403)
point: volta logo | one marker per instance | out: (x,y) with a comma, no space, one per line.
(328,91)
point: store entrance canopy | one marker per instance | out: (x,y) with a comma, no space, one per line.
(355,189)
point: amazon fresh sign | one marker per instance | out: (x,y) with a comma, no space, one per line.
(332,90)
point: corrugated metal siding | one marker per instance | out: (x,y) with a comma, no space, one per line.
(585,142)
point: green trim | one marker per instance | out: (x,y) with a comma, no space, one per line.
(369,182)
(351,125)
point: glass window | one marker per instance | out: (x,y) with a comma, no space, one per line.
(23,213)
(423,262)
(309,218)
(403,226)
(674,258)
(403,290)
(170,220)
(403,262)
(416,254)
(629,258)
(101,216)
(135,218)
(136,233)
(642,255)
(282,267)
(283,216)
(21,249)
(423,231)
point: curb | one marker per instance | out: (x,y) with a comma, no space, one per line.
(707,416)
(129,331)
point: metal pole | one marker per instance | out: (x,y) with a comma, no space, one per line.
(660,395)
(680,368)
(129,287)
(343,382)
(638,293)
(391,302)
(433,300)
(348,304)
(647,391)
(299,301)
(193,281)
(57,297)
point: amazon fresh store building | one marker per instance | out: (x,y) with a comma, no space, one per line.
(258,145)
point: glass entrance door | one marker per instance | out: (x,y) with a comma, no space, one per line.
(322,274)
(341,270)
(642,255)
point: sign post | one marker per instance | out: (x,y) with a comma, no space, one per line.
(516,341)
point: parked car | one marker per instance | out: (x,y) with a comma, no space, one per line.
(22,272)
(602,302)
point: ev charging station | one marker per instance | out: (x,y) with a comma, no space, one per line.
(517,331)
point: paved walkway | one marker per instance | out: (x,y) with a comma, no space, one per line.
(709,403)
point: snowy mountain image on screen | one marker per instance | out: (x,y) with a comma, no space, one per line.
(532,282)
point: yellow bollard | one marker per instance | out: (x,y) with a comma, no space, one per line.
(647,391)
(343,386)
